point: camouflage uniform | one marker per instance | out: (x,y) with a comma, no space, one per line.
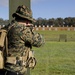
(21,39)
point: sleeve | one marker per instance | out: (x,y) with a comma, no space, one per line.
(38,40)
(27,36)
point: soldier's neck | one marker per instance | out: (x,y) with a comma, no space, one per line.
(22,23)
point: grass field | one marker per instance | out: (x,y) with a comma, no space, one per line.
(55,58)
(54,35)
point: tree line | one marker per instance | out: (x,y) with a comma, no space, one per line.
(58,22)
(55,22)
(3,22)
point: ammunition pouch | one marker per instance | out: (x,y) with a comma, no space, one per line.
(17,60)
(27,61)
(31,62)
(11,60)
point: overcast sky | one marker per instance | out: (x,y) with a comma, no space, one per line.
(44,8)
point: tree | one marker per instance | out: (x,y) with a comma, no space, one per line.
(51,22)
(60,22)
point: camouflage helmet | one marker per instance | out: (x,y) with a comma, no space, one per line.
(24,12)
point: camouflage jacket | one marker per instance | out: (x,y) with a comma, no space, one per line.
(20,37)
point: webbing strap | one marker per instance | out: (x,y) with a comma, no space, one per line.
(6,46)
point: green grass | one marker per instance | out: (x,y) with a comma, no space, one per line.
(55,58)
(54,35)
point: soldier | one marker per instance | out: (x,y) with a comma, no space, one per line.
(21,38)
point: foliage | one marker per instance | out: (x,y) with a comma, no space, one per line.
(58,22)
(3,22)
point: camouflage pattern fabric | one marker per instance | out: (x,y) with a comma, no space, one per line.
(20,38)
(38,40)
